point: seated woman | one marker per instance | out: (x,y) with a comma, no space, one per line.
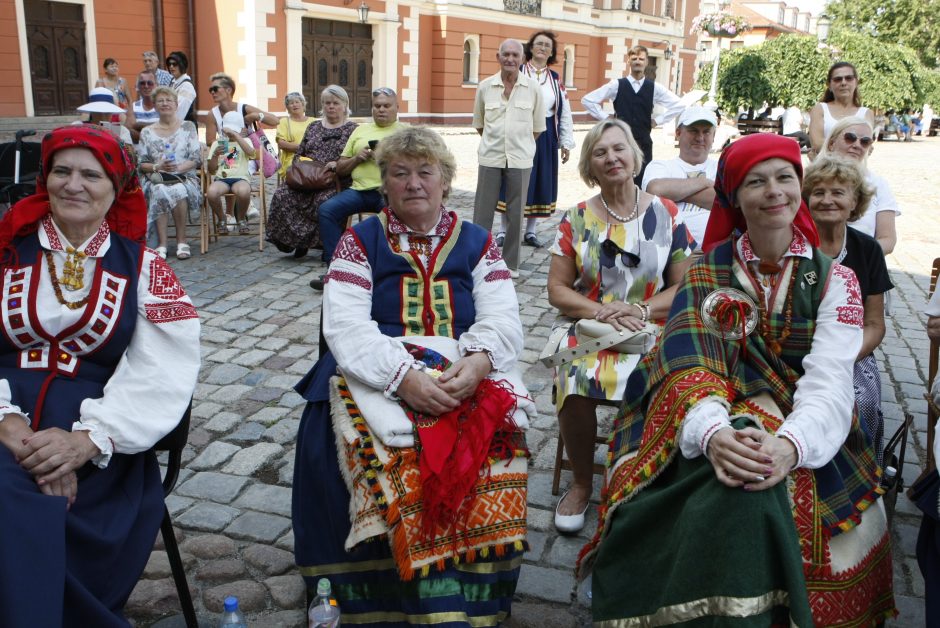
(853,138)
(98,361)
(617,257)
(229,156)
(170,157)
(384,568)
(836,192)
(293,219)
(291,129)
(739,479)
(926,489)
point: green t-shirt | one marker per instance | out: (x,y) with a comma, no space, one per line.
(366,175)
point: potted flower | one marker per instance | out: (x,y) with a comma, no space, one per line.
(720,24)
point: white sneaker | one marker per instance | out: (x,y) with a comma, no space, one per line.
(252,213)
(514,274)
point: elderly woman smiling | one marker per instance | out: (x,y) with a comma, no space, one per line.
(739,479)
(98,361)
(414,277)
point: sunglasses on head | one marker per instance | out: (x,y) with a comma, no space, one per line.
(843,79)
(851,138)
(611,250)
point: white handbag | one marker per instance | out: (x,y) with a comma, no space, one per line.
(594,336)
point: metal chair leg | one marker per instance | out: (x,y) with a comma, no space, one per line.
(176,566)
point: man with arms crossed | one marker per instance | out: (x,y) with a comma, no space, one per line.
(509,115)
(688,179)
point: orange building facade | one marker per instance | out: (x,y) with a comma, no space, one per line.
(432,53)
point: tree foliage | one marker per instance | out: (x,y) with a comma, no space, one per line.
(912,23)
(796,70)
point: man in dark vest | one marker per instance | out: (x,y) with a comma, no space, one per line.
(633,99)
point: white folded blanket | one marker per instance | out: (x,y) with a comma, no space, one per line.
(388,420)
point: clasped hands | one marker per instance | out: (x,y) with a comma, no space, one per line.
(51,456)
(750,458)
(621,315)
(435,396)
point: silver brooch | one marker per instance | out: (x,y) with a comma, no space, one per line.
(729,313)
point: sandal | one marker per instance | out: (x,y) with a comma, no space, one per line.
(161,251)
(182,251)
(243,228)
(221,227)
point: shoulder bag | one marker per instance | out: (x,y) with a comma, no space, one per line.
(594,336)
(309,176)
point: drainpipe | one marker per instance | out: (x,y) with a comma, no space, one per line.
(158,42)
(191,11)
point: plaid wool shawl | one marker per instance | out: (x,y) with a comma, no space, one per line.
(845,486)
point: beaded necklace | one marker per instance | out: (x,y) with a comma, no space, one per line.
(776,344)
(631,215)
(72,305)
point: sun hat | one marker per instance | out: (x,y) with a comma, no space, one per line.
(100,100)
(233,120)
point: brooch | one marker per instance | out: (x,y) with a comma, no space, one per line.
(729,313)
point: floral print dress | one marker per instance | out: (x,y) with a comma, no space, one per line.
(163,197)
(660,238)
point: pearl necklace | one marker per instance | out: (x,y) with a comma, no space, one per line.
(636,206)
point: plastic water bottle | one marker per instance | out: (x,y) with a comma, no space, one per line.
(168,152)
(231,616)
(888,478)
(324,611)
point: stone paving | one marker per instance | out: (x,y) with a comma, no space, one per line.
(260,321)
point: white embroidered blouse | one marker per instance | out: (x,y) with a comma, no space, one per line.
(382,361)
(824,397)
(151,387)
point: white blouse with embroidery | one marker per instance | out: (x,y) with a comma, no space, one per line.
(824,397)
(154,380)
(382,361)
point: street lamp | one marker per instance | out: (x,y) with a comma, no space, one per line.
(823,24)
(363,12)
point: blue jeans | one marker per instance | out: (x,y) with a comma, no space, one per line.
(335,212)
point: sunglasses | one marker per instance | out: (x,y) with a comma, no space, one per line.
(842,79)
(146,83)
(850,138)
(214,89)
(171,63)
(611,250)
(383,91)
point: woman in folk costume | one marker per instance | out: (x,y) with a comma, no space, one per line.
(412,500)
(540,52)
(98,361)
(740,484)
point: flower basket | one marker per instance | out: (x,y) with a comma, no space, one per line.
(720,24)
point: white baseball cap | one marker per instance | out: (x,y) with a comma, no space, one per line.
(233,120)
(691,115)
(100,100)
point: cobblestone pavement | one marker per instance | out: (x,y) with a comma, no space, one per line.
(260,319)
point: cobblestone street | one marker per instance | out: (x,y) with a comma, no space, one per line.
(260,321)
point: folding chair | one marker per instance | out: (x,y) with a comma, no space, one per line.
(173,443)
(207,228)
(563,463)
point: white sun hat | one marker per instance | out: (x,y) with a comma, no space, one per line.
(100,100)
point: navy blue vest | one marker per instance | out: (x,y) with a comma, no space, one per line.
(636,109)
(75,364)
(408,300)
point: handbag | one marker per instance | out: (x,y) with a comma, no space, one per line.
(266,155)
(158,178)
(309,176)
(594,336)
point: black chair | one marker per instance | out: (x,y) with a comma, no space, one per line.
(173,444)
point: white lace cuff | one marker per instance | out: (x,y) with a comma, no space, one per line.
(101,440)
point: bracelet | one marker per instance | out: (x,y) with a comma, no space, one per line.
(644,310)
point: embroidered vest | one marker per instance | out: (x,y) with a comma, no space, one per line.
(407,299)
(76,363)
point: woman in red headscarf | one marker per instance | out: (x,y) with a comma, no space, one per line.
(739,478)
(98,360)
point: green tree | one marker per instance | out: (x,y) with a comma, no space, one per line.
(796,70)
(741,79)
(885,70)
(912,23)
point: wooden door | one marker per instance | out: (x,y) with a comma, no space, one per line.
(337,53)
(55,32)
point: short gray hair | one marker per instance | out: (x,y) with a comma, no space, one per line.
(337,92)
(591,140)
(295,96)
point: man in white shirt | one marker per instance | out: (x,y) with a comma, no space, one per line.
(633,99)
(509,114)
(689,179)
(792,122)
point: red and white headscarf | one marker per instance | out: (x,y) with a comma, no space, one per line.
(127,215)
(735,162)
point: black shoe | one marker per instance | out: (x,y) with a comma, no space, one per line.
(283,248)
(299,252)
(317,284)
(500,238)
(532,240)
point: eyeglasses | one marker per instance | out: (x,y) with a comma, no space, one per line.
(214,89)
(850,138)
(542,44)
(842,79)
(146,83)
(611,250)
(164,101)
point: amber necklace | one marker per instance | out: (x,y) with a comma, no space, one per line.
(72,305)
(776,344)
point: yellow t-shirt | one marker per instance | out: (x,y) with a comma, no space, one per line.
(366,175)
(293,132)
(233,164)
